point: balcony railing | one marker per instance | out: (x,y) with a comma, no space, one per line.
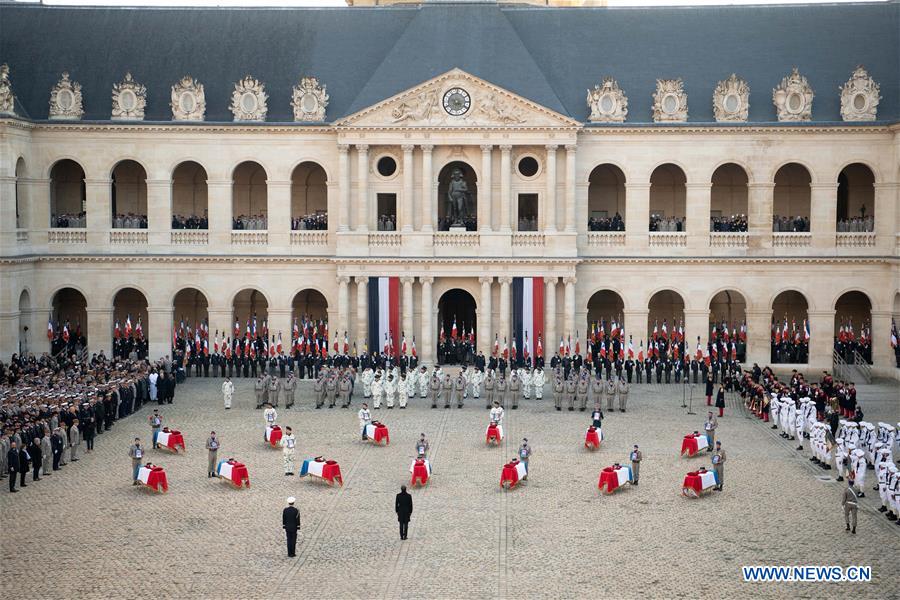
(385,240)
(668,239)
(720,239)
(456,240)
(309,238)
(250,238)
(793,239)
(528,240)
(67,236)
(131,237)
(189,237)
(606,239)
(860,239)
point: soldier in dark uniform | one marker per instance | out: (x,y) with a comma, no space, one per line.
(667,367)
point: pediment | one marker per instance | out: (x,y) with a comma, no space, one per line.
(432,104)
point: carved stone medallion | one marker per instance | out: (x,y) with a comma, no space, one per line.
(860,97)
(7,100)
(128,100)
(731,99)
(65,99)
(188,100)
(248,100)
(310,100)
(793,98)
(670,101)
(607,102)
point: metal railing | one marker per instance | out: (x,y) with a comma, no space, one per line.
(839,365)
(862,365)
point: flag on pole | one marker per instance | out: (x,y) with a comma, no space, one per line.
(49,329)
(453,331)
(496,349)
(128,329)
(280,348)
(539,350)
(414,346)
(384,311)
(640,356)
(630,348)
(527,312)
(65,332)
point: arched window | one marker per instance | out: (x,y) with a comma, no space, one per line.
(728,199)
(668,196)
(67,195)
(791,200)
(190,197)
(606,199)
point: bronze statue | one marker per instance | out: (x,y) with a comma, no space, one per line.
(457,195)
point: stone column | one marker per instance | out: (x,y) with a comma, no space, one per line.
(821,340)
(159,332)
(571,183)
(8,205)
(887,216)
(220,210)
(549,211)
(406,208)
(9,334)
(696,322)
(407,309)
(99,210)
(363,212)
(38,198)
(220,318)
(485,339)
(278,212)
(637,214)
(362,311)
(759,336)
(697,210)
(159,209)
(882,353)
(569,302)
(551,339)
(344,187)
(428,214)
(505,326)
(280,322)
(636,327)
(505,188)
(99,330)
(343,310)
(484,192)
(823,215)
(427,321)
(760,201)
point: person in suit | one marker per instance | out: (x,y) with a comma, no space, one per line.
(290,521)
(12,464)
(403,505)
(24,463)
(34,450)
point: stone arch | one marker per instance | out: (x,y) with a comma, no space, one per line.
(460,305)
(68,304)
(67,194)
(309,303)
(792,198)
(130,302)
(309,196)
(249,196)
(190,196)
(665,307)
(128,196)
(729,198)
(606,198)
(668,198)
(727,317)
(853,315)
(605,305)
(470,176)
(855,198)
(790,310)
(249,302)
(190,306)
(748,171)
(794,161)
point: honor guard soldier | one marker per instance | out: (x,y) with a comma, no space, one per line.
(636,458)
(501,387)
(435,386)
(331,388)
(227,392)
(319,391)
(623,394)
(403,385)
(538,379)
(515,389)
(155,425)
(476,380)
(260,389)
(422,447)
(525,375)
(850,503)
(489,384)
(446,390)
(377,391)
(558,391)
(525,456)
(710,426)
(571,390)
(581,392)
(610,395)
(288,443)
(390,388)
(718,460)
(345,388)
(459,388)
(597,391)
(212,445)
(270,415)
(365,417)
(424,381)
(274,389)
(288,387)
(136,452)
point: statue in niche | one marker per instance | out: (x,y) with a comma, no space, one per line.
(457,197)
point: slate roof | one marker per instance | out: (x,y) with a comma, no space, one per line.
(549,55)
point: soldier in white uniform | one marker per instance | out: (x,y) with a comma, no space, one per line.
(497,414)
(537,382)
(377,391)
(857,470)
(227,391)
(402,385)
(525,378)
(476,379)
(424,381)
(365,417)
(288,442)
(270,415)
(390,388)
(368,376)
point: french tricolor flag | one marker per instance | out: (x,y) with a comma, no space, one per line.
(527,312)
(384,311)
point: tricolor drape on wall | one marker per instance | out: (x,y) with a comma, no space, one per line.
(384,313)
(527,313)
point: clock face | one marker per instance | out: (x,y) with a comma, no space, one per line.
(457,101)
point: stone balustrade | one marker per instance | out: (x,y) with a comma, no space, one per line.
(606,239)
(130,237)
(383,240)
(249,238)
(67,236)
(309,238)
(668,239)
(861,239)
(467,239)
(737,239)
(530,239)
(798,239)
(190,237)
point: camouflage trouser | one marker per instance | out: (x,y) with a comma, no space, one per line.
(288,460)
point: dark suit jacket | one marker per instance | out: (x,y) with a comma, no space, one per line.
(12,460)
(404,507)
(290,518)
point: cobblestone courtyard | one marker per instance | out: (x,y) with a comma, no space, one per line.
(87,533)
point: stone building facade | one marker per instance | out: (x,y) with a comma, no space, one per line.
(89,190)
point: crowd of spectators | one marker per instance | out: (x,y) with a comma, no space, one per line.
(129,221)
(528,224)
(313,222)
(251,222)
(614,223)
(387,223)
(856,224)
(470,223)
(790,224)
(191,222)
(667,224)
(69,220)
(734,223)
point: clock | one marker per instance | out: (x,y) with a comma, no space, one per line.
(457,101)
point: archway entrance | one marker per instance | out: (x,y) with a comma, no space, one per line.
(605,323)
(727,324)
(69,308)
(130,324)
(665,317)
(789,313)
(852,333)
(457,307)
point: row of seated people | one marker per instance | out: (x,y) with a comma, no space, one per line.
(734,223)
(191,222)
(69,220)
(313,222)
(251,222)
(790,224)
(856,224)
(614,223)
(667,224)
(129,221)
